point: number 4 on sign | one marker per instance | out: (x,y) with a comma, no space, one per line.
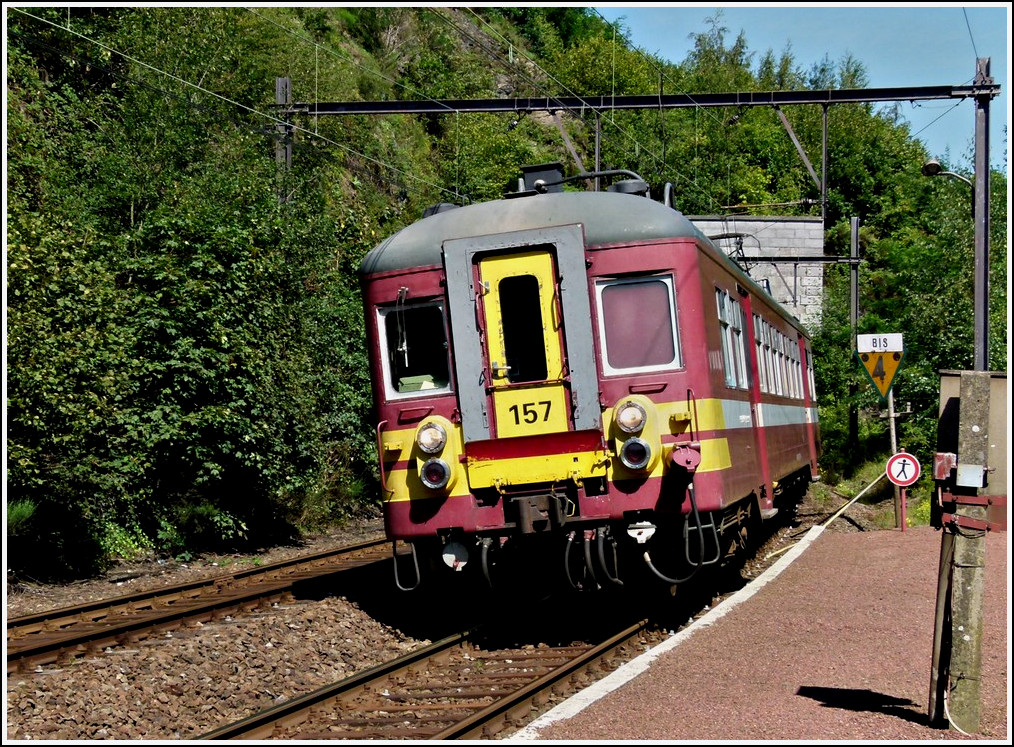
(881,368)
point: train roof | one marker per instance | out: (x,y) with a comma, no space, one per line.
(607,217)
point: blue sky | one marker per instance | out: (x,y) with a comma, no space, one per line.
(899,45)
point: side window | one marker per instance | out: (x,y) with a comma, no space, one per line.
(759,334)
(637,325)
(415,342)
(797,386)
(730,320)
(783,357)
(810,376)
(776,361)
(769,359)
(739,344)
(790,361)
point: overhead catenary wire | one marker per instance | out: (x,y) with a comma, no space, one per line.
(611,120)
(269,117)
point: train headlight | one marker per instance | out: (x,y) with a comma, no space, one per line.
(635,453)
(431,438)
(435,473)
(630,417)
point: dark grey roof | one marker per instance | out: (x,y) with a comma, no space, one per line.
(607,218)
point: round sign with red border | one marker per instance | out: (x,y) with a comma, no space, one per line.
(903,469)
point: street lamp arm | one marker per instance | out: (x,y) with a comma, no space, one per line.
(933,168)
(965,179)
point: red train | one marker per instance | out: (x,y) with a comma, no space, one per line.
(581,384)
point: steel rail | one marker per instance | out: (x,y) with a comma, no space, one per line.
(140,597)
(262,724)
(46,636)
(481,721)
(517,705)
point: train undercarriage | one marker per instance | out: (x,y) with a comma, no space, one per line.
(544,545)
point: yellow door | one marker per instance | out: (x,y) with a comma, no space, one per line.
(523,344)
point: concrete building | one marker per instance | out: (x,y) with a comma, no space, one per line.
(795,283)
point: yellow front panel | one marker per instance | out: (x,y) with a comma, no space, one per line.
(531,407)
(540,265)
(530,410)
(534,469)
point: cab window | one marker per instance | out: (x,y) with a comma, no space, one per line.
(637,325)
(414,340)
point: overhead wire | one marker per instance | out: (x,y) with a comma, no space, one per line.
(563,86)
(232,102)
(971,38)
(348,59)
(664,76)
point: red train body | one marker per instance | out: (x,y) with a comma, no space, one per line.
(579,375)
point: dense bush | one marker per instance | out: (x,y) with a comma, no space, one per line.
(185,346)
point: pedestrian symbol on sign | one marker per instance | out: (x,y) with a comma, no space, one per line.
(903,469)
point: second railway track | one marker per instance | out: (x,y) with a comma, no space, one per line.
(62,634)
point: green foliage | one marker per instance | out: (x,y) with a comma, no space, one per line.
(549,31)
(127,542)
(19,517)
(916,278)
(918,513)
(186,353)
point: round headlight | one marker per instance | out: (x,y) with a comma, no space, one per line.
(431,438)
(630,416)
(435,473)
(635,453)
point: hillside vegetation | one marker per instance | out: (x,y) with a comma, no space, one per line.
(185,353)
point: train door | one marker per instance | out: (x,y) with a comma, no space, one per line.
(521,323)
(523,344)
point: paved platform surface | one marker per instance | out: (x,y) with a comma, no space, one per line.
(834,642)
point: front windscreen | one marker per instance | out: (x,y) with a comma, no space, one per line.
(415,343)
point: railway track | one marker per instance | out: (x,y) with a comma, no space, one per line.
(456,688)
(534,641)
(64,634)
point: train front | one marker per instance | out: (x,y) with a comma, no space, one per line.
(492,437)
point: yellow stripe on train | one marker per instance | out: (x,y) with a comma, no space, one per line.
(500,473)
(497,473)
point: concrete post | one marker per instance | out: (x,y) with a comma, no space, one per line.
(969,560)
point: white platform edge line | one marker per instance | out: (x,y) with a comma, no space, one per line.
(616,679)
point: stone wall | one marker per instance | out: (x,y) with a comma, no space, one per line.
(798,286)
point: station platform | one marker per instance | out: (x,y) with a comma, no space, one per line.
(833,642)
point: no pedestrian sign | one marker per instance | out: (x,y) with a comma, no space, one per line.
(903,469)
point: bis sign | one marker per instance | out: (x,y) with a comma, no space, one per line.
(881,356)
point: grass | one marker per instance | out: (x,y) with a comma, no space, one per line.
(880,497)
